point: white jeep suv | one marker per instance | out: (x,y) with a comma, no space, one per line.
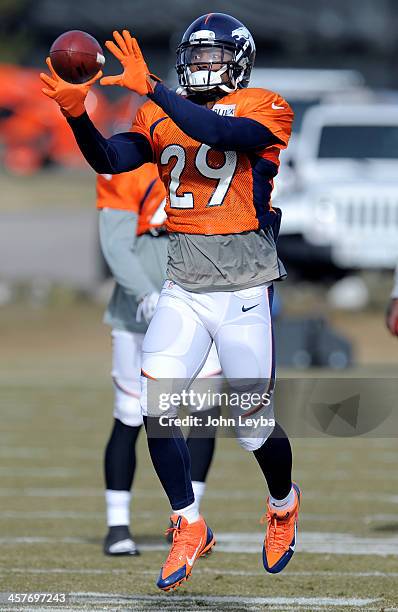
(345,205)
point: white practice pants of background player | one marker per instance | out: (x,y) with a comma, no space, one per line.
(126,372)
(186,325)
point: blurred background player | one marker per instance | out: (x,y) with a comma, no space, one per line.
(392,310)
(134,244)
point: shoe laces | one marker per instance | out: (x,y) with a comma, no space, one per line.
(277,536)
(180,541)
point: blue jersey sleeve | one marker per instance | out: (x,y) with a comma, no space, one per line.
(119,153)
(206,126)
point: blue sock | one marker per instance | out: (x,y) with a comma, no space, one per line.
(170,458)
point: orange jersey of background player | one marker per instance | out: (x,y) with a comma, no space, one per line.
(140,191)
(212,192)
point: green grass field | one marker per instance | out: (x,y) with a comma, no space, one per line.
(56,406)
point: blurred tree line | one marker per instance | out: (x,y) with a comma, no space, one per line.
(16,35)
(341,33)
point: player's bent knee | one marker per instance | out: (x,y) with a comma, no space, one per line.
(127,407)
(129,413)
(253,443)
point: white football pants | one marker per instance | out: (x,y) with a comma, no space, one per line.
(126,370)
(187,325)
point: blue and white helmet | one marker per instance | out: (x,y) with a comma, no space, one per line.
(216,39)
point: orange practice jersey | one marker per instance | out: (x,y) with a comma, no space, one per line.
(140,191)
(214,192)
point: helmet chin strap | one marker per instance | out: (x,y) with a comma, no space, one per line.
(199,80)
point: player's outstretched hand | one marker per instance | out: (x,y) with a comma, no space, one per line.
(392,316)
(69,96)
(136,75)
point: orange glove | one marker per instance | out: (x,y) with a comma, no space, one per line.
(136,75)
(69,96)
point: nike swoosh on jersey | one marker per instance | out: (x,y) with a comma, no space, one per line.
(192,559)
(276,107)
(249,308)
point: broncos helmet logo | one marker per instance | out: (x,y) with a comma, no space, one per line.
(244,33)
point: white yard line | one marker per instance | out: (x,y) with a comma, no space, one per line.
(52,514)
(34,452)
(51,492)
(44,472)
(42,540)
(198,570)
(129,605)
(380,462)
(315,542)
(62,570)
(22,515)
(25,454)
(52,609)
(21,452)
(326,574)
(147,494)
(214,599)
(308,542)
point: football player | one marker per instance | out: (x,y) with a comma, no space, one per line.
(134,244)
(392,308)
(217,145)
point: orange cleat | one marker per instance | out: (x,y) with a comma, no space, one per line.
(190,541)
(280,539)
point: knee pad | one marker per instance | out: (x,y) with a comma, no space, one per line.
(155,397)
(126,365)
(259,437)
(127,408)
(252,444)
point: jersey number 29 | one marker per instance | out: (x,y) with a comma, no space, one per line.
(223,175)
